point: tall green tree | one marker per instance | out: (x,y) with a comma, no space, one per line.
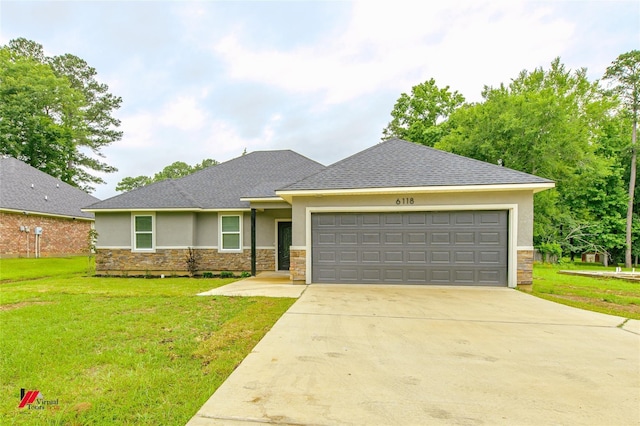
(172,171)
(418,117)
(88,121)
(40,115)
(553,123)
(624,72)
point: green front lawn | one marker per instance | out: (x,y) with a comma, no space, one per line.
(30,268)
(119,350)
(607,295)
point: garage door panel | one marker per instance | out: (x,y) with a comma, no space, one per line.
(393,275)
(416,219)
(371,220)
(489,257)
(467,218)
(371,238)
(416,256)
(393,238)
(348,274)
(417,276)
(464,238)
(372,275)
(393,257)
(394,219)
(348,238)
(440,276)
(492,237)
(326,256)
(348,220)
(489,218)
(465,248)
(419,238)
(464,257)
(464,276)
(326,238)
(326,274)
(349,256)
(440,257)
(440,238)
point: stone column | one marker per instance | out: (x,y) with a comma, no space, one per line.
(298,266)
(525,267)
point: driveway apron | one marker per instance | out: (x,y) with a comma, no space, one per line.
(413,355)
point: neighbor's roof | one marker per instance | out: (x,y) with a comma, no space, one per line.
(26,189)
(396,163)
(254,175)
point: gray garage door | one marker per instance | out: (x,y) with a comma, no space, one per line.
(464,247)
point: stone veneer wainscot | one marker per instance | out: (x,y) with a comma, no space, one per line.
(173,261)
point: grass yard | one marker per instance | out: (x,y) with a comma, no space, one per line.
(30,268)
(606,295)
(118,350)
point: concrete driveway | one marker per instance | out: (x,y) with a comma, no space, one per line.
(408,355)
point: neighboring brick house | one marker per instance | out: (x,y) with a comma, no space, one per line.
(41,216)
(397,212)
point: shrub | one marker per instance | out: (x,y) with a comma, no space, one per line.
(207,275)
(226,274)
(550,250)
(192,261)
(245,274)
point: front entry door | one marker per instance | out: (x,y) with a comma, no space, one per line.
(284,244)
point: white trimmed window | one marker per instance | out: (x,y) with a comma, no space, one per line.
(230,233)
(143,237)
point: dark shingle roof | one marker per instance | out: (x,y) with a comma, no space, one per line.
(398,163)
(24,188)
(254,175)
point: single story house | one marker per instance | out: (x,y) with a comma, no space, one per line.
(41,215)
(397,212)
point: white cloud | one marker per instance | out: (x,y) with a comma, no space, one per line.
(138,131)
(396,44)
(224,140)
(183,113)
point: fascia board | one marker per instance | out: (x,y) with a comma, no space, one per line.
(151,209)
(535,187)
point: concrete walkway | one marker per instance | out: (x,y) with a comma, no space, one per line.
(268,284)
(409,355)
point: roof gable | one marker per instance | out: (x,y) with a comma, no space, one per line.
(396,163)
(257,174)
(25,188)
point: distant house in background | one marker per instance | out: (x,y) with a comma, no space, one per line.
(39,214)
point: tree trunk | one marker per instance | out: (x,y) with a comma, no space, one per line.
(632,186)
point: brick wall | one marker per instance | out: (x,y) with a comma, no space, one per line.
(298,267)
(173,261)
(525,267)
(60,236)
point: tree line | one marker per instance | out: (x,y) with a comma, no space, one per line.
(56,116)
(556,124)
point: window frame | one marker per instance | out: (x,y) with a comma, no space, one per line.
(221,233)
(134,232)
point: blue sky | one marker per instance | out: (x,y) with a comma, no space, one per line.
(208,79)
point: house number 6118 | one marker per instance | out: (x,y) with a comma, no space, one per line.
(403,201)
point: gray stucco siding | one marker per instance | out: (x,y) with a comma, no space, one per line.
(266,227)
(114,229)
(175,229)
(206,230)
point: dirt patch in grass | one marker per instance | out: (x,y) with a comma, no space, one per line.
(12,306)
